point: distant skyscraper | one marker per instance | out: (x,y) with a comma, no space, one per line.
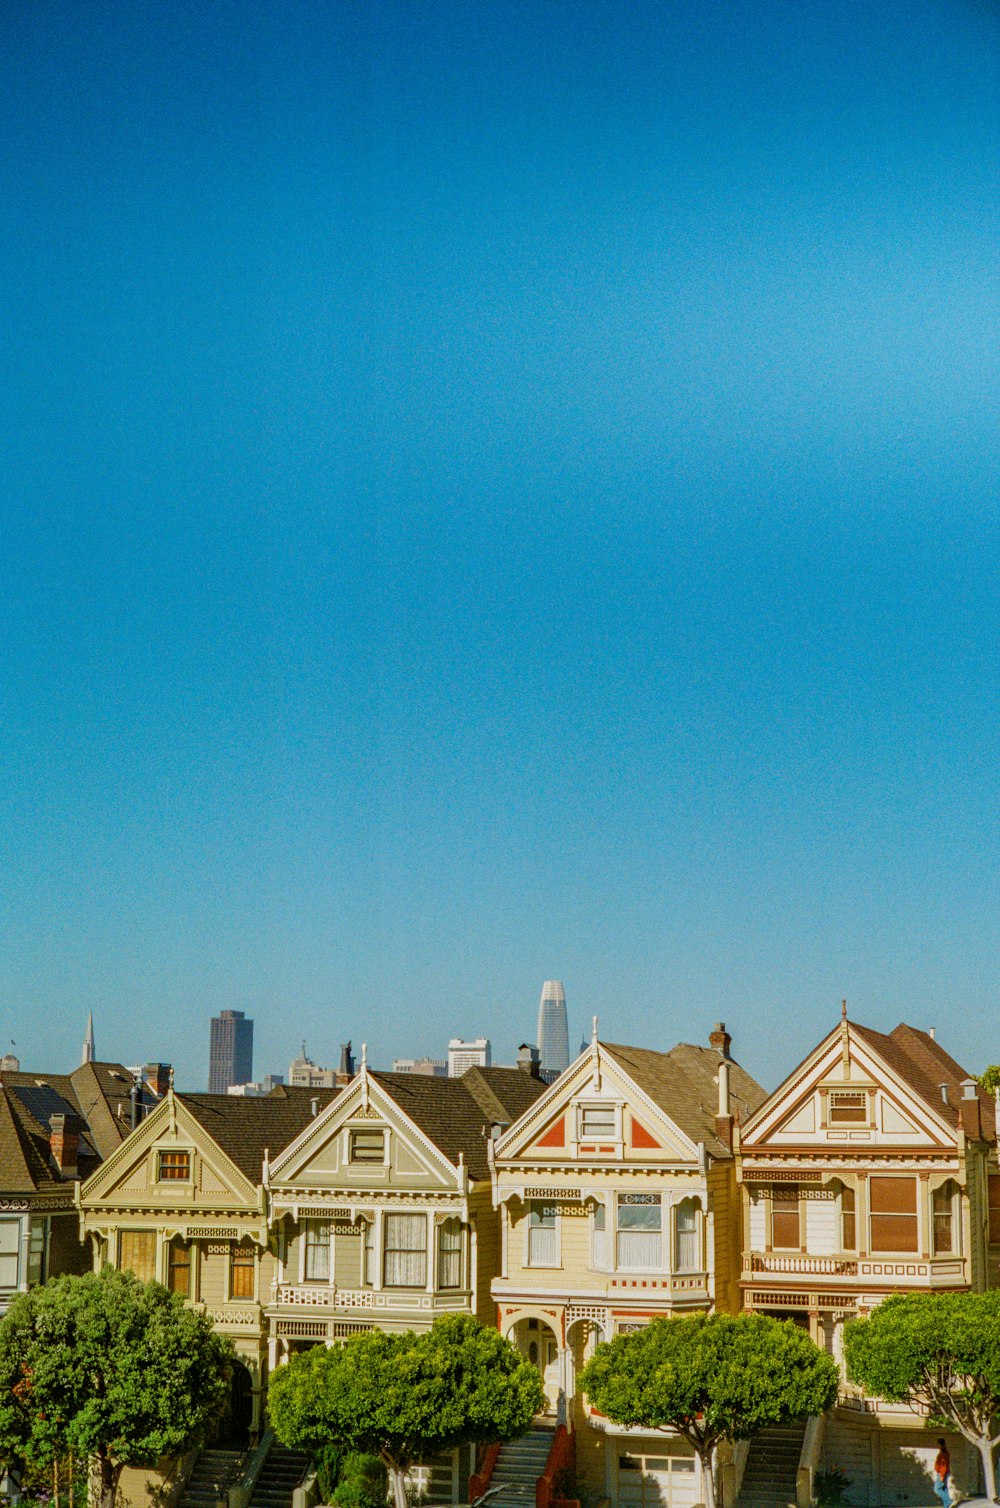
(553,1032)
(230,1051)
(465,1055)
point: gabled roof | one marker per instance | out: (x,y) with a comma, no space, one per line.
(456,1114)
(684,1083)
(247,1127)
(24,1164)
(103,1093)
(29,1100)
(923,1065)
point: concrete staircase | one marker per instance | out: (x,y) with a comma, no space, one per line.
(519,1465)
(280,1475)
(210,1479)
(772,1467)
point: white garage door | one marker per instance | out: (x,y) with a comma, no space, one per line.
(667,1480)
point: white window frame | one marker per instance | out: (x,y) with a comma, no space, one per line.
(172,1151)
(308,1223)
(699,1236)
(602,1262)
(652,1198)
(557,1227)
(349,1133)
(17,1228)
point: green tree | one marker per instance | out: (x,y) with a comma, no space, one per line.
(939,1352)
(405,1397)
(989,1079)
(710,1377)
(108,1367)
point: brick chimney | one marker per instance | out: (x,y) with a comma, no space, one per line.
(345,1073)
(158,1078)
(720,1039)
(970,1111)
(64,1143)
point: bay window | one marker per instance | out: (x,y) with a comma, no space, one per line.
(893,1221)
(943,1212)
(848,1220)
(640,1233)
(687,1246)
(450,1254)
(543,1237)
(10,1247)
(405,1251)
(317,1256)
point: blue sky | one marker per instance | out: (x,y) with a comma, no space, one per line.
(495,493)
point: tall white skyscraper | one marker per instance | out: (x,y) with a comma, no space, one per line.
(553,1031)
(464,1055)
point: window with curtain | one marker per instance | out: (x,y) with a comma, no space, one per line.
(848,1220)
(994,1206)
(405,1251)
(640,1232)
(179,1268)
(241,1272)
(785,1224)
(893,1220)
(138,1253)
(543,1236)
(369,1272)
(317,1260)
(173,1167)
(600,1250)
(597,1123)
(37,1253)
(450,1254)
(687,1244)
(943,1211)
(10,1246)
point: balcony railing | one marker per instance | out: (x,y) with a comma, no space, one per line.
(330,1298)
(918,1272)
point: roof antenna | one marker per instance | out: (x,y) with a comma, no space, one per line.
(843,1010)
(364,1075)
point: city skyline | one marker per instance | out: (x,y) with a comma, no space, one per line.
(494,491)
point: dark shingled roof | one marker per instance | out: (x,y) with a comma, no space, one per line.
(456,1114)
(247,1126)
(684,1083)
(924,1066)
(91,1094)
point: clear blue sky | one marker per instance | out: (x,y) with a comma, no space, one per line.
(495,492)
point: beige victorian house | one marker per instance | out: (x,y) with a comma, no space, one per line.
(618,1198)
(182,1200)
(871,1170)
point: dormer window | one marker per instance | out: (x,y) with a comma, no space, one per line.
(367,1145)
(598,1123)
(848,1107)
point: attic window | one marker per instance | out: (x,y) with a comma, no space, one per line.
(848,1106)
(367,1146)
(597,1123)
(173,1167)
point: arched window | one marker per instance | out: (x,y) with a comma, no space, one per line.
(687,1236)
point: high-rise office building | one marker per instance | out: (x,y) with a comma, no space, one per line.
(553,1031)
(230,1051)
(465,1055)
(428,1068)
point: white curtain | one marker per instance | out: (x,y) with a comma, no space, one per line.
(405,1251)
(688,1255)
(317,1251)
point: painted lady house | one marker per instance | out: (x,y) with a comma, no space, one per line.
(619,1205)
(872,1169)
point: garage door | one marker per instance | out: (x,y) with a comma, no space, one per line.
(667,1480)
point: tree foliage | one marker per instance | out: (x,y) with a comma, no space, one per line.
(404,1397)
(939,1352)
(989,1079)
(710,1377)
(106,1366)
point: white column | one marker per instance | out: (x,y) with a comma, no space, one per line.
(377,1274)
(24,1254)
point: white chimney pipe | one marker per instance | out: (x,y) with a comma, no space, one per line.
(723,1087)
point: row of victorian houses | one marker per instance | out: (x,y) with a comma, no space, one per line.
(640,1184)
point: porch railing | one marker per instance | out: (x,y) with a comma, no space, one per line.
(561,1461)
(480,1479)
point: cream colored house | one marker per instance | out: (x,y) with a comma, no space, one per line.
(618,1198)
(871,1170)
(182,1200)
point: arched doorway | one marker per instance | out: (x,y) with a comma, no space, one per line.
(236,1420)
(537,1341)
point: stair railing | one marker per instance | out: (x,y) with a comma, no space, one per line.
(241,1490)
(561,1459)
(480,1479)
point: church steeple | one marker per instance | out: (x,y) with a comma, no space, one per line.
(88,1042)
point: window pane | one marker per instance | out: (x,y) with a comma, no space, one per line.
(892,1233)
(543,1250)
(405,1251)
(36,1253)
(174,1165)
(241,1265)
(635,1216)
(138,1249)
(370,1254)
(893,1196)
(994,1198)
(688,1255)
(179,1269)
(317,1251)
(597,1121)
(450,1254)
(785,1227)
(944,1241)
(848,1106)
(639,1250)
(367,1146)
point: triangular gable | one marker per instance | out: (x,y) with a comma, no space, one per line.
(128,1177)
(896,1114)
(315,1160)
(548,1132)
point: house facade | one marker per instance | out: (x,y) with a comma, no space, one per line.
(871,1170)
(618,1203)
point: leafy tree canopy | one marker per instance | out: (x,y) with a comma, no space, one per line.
(939,1352)
(710,1377)
(989,1079)
(404,1397)
(107,1366)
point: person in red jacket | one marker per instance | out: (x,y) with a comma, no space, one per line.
(942,1471)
